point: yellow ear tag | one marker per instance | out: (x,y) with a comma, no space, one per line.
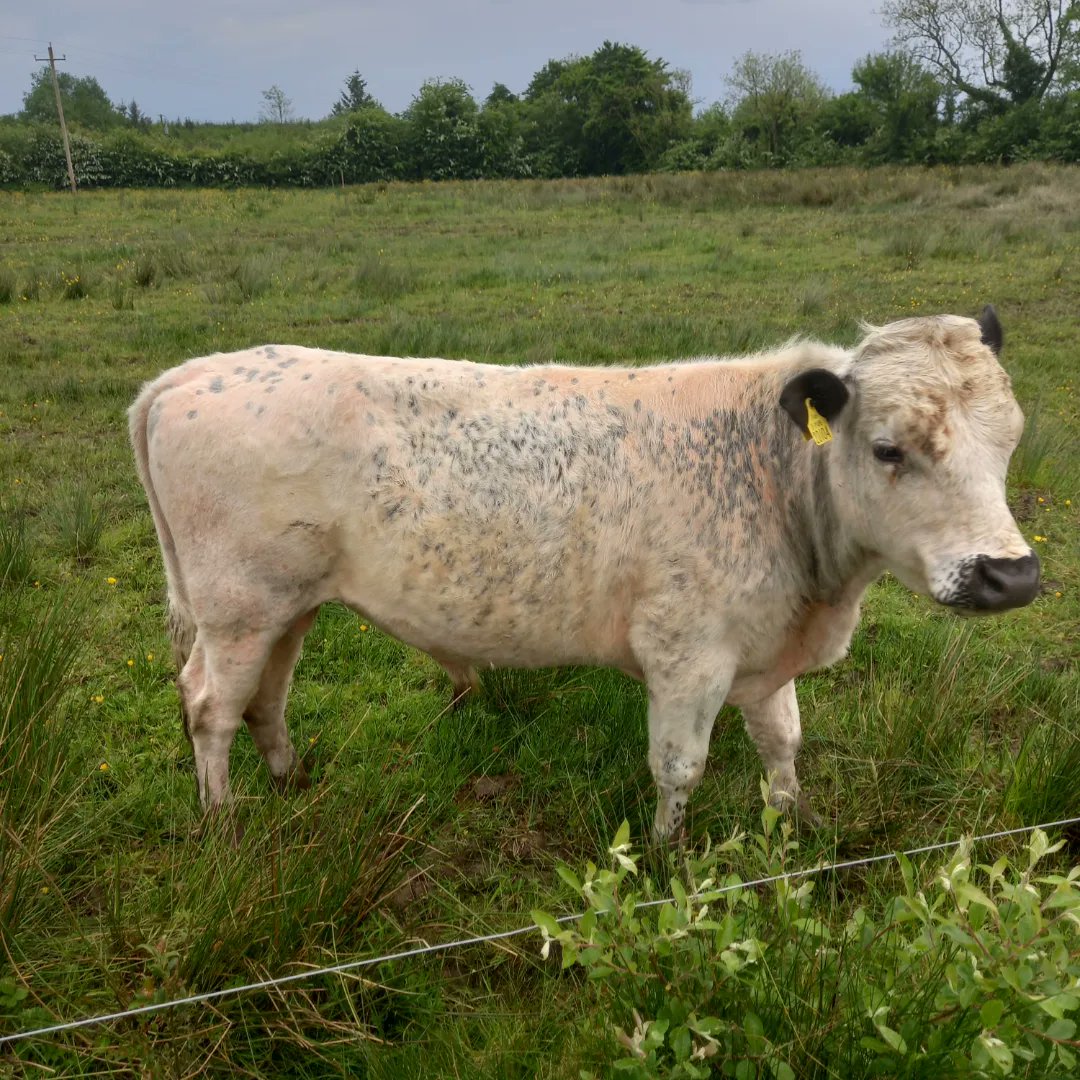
(817,427)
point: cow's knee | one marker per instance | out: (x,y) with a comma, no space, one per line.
(676,772)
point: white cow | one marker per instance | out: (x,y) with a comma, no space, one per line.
(669,521)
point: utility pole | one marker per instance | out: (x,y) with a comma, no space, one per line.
(60,113)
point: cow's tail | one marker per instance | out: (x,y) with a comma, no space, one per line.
(180,622)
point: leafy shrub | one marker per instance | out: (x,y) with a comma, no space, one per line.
(973,974)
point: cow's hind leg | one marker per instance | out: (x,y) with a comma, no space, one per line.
(463,678)
(219,679)
(773,724)
(265,713)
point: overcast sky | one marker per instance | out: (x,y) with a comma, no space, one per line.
(210,59)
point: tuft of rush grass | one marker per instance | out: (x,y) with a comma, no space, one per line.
(77,516)
(41,644)
(427,823)
(16,562)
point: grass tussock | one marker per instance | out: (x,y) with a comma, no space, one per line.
(77,518)
(379,278)
(16,559)
(255,276)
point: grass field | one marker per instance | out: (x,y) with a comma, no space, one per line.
(426,824)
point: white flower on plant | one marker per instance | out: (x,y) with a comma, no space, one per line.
(545,949)
(624,860)
(709,1048)
(633,1042)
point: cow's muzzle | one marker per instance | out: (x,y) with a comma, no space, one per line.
(1000,584)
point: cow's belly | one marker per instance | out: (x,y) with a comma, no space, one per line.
(487,592)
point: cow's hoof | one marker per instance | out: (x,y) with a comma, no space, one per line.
(221,821)
(805,815)
(296,779)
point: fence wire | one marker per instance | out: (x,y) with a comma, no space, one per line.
(461,943)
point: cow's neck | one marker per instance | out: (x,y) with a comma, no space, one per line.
(834,576)
(836,570)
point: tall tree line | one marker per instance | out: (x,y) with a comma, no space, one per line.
(966,80)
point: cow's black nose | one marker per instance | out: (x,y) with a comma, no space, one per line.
(1000,584)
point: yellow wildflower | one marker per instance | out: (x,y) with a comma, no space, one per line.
(131,663)
(150,657)
(104,767)
(110,581)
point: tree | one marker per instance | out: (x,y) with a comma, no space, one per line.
(85,102)
(444,140)
(500,95)
(276,107)
(996,52)
(905,99)
(613,112)
(355,96)
(135,116)
(774,98)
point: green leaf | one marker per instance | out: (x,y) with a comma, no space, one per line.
(587,924)
(622,836)
(1062,1029)
(893,1039)
(972,894)
(681,1043)
(991,1012)
(569,877)
(997,1051)
(546,922)
(1059,1004)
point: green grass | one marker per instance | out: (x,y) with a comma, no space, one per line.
(112,892)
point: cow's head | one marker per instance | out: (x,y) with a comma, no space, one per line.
(925,423)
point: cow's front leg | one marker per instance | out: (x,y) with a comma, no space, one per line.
(773,724)
(680,723)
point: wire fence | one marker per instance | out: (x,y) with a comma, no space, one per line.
(461,943)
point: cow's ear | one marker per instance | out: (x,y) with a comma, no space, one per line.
(826,391)
(992,333)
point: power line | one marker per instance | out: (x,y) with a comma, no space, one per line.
(445,946)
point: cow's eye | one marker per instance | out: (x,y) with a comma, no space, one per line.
(888,454)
